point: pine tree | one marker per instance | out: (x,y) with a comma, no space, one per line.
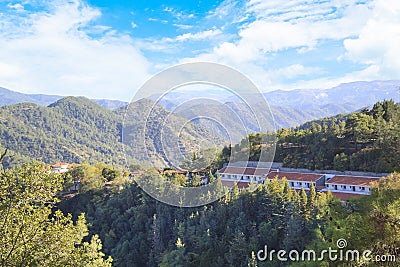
(195,181)
(287,191)
(311,197)
(303,199)
(235,191)
(210,177)
(253,260)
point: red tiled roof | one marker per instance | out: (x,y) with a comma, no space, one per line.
(59,164)
(295,176)
(244,170)
(352,180)
(231,183)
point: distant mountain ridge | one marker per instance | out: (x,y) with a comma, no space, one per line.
(289,108)
(8,97)
(354,94)
(294,107)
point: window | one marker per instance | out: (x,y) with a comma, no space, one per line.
(291,184)
(362,188)
(344,187)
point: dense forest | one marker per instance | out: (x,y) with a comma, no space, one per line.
(77,130)
(112,221)
(368,140)
(121,225)
(137,230)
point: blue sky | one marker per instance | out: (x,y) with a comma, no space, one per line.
(107,49)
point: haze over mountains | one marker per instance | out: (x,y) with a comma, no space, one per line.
(290,108)
(294,107)
(75,129)
(8,97)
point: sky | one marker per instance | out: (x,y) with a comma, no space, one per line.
(108,49)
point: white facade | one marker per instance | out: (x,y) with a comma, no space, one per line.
(349,188)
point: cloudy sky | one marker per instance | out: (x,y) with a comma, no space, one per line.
(107,49)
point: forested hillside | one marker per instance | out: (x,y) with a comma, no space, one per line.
(76,130)
(368,140)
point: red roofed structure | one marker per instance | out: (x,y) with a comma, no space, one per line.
(342,186)
(243,173)
(351,184)
(298,180)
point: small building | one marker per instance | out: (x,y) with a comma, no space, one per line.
(360,185)
(60,167)
(298,180)
(230,184)
(243,174)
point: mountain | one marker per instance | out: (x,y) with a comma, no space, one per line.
(353,95)
(8,97)
(110,104)
(75,129)
(289,108)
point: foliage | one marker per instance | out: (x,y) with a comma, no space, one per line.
(368,140)
(77,130)
(32,231)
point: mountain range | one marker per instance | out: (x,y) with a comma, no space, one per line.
(8,97)
(76,129)
(288,108)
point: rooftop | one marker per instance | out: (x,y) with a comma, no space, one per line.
(244,170)
(352,180)
(295,176)
(59,165)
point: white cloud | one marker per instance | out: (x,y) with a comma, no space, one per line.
(53,53)
(163,21)
(133,25)
(183,26)
(18,7)
(198,36)
(294,71)
(378,44)
(266,35)
(306,27)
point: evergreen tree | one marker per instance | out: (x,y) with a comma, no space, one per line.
(311,197)
(235,191)
(303,199)
(253,260)
(33,231)
(210,177)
